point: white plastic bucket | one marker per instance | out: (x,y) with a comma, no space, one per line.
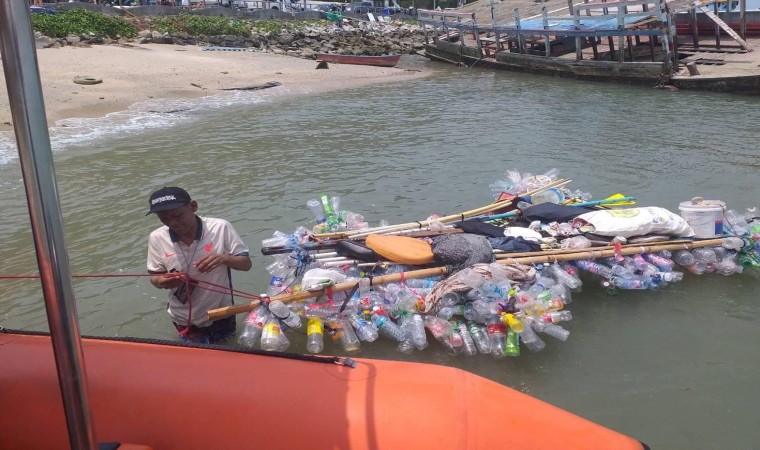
(705,217)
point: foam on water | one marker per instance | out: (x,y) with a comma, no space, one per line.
(139,118)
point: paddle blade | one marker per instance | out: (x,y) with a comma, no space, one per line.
(620,203)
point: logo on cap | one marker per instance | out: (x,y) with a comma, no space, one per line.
(168,198)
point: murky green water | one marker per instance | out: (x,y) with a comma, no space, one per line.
(673,368)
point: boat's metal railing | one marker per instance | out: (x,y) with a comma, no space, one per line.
(36,158)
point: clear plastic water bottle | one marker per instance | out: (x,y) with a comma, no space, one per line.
(419,338)
(550,329)
(633,283)
(736,222)
(697,267)
(497,334)
(557,316)
(662,263)
(480,338)
(470,313)
(733,243)
(530,338)
(254,325)
(316,208)
(706,255)
(441,330)
(470,278)
(386,327)
(447,312)
(315,331)
(424,283)
(270,335)
(322,310)
(595,268)
(668,277)
(282,312)
(283,343)
(684,258)
(563,277)
(344,332)
(512,346)
(365,330)
(468,346)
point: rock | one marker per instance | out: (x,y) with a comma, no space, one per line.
(286,38)
(145,34)
(43,42)
(144,40)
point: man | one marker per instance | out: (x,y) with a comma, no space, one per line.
(203,248)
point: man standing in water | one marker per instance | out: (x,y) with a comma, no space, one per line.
(192,257)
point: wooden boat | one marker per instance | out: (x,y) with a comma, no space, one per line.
(382,60)
(171,396)
(174,396)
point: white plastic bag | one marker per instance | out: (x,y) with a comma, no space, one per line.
(321,276)
(635,222)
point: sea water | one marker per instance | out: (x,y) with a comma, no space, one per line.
(674,368)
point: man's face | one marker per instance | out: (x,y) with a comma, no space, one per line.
(180,220)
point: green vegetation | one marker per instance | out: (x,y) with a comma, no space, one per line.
(80,22)
(201,25)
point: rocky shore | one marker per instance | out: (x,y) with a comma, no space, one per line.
(355,37)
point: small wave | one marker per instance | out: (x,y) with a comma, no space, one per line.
(140,117)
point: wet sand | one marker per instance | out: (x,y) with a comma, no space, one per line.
(142,72)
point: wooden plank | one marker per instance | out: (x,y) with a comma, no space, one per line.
(723,25)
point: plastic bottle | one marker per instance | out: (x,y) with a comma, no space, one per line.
(706,255)
(697,268)
(684,258)
(530,338)
(316,208)
(557,316)
(664,264)
(563,277)
(595,268)
(365,330)
(284,313)
(512,322)
(447,312)
(425,283)
(254,325)
(471,278)
(643,266)
(512,346)
(322,310)
(283,343)
(455,340)
(668,277)
(470,313)
(737,224)
(386,327)
(551,329)
(497,334)
(270,335)
(733,243)
(342,331)
(315,331)
(633,283)
(417,329)
(468,345)
(480,338)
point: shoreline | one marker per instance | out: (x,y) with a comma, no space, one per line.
(144,72)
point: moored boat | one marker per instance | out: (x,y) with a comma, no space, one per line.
(381,60)
(172,396)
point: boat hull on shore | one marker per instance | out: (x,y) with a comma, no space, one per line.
(172,396)
(363,60)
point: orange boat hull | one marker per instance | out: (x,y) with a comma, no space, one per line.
(176,397)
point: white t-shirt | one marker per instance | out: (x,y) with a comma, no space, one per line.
(166,253)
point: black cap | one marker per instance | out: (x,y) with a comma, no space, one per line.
(168,198)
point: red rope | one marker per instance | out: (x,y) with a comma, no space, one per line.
(198,283)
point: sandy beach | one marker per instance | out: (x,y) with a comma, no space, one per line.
(142,72)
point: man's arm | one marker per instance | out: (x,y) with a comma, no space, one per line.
(214,260)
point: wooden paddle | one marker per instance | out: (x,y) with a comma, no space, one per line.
(221,313)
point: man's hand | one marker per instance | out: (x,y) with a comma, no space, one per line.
(167,280)
(211,262)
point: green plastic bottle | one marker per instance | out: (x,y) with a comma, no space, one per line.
(513,344)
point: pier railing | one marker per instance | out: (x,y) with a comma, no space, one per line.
(588,24)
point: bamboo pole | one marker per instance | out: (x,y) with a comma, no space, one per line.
(446,219)
(593,254)
(221,313)
(561,251)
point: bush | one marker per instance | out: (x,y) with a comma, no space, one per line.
(200,25)
(80,22)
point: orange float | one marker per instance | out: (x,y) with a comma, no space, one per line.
(170,396)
